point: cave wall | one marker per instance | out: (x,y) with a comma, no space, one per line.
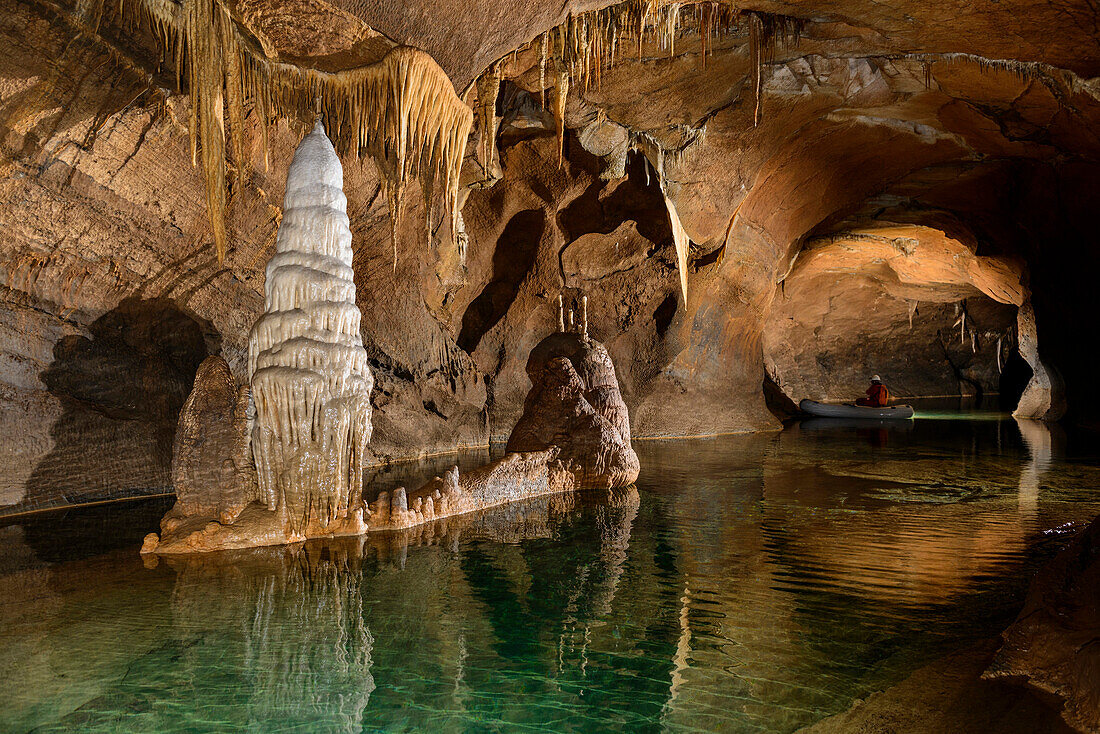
(826,336)
(108,277)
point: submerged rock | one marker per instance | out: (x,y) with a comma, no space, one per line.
(1053,647)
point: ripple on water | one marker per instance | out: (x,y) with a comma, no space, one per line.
(754,583)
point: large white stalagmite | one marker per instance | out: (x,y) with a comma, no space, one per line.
(310,380)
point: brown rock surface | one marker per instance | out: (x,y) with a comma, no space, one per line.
(1053,647)
(946,697)
(978,122)
(575,405)
(212,470)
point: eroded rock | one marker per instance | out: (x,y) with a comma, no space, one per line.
(1053,647)
(513,477)
(212,471)
(575,405)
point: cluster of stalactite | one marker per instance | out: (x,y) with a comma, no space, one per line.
(585,45)
(970,333)
(401,111)
(581,48)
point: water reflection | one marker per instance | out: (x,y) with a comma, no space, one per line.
(289,629)
(1039,438)
(753,583)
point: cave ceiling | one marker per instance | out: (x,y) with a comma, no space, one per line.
(972,127)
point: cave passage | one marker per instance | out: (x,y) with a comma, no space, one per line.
(465,365)
(513,257)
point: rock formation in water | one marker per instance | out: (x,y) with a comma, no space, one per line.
(310,381)
(575,405)
(511,478)
(212,471)
(1053,647)
(1044,397)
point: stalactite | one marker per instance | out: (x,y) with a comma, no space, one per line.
(544,45)
(488,89)
(401,111)
(306,362)
(584,316)
(562,93)
(588,43)
(756,50)
(683,245)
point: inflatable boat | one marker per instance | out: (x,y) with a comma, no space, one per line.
(824,410)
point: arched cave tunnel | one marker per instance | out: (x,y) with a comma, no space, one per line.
(728,208)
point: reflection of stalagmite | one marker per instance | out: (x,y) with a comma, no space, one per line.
(305,651)
(310,380)
(597,583)
(1037,437)
(615,523)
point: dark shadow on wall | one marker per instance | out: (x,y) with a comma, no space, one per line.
(512,260)
(605,205)
(1014,378)
(781,406)
(121,392)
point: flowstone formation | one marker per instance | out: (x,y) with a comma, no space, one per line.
(575,405)
(310,381)
(513,477)
(310,387)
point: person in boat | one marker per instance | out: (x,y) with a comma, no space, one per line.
(877,395)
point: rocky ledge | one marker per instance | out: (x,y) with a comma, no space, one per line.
(1053,647)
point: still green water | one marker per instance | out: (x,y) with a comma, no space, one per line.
(749,583)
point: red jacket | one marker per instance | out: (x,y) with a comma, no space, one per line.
(878,396)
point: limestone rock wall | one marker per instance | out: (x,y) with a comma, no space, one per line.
(1051,647)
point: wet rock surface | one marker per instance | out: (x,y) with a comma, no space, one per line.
(513,478)
(948,696)
(881,115)
(1053,647)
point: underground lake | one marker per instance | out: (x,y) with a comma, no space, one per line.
(747,583)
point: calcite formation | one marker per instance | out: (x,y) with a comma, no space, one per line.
(575,405)
(400,109)
(310,380)
(1044,397)
(310,387)
(880,115)
(514,477)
